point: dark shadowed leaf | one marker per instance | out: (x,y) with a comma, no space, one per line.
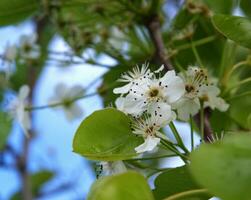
(224,167)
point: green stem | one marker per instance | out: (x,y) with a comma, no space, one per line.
(185,194)
(238,84)
(173,149)
(196,43)
(178,138)
(153,158)
(59,103)
(202,120)
(196,54)
(238,96)
(191,132)
(227,75)
(143,166)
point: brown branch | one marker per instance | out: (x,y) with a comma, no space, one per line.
(24,158)
(154,29)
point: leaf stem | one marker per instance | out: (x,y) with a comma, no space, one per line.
(196,43)
(196,54)
(186,193)
(178,138)
(173,149)
(153,158)
(59,103)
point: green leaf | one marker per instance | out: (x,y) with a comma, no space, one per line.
(14,11)
(220,6)
(129,185)
(106,135)
(38,180)
(240,111)
(5,124)
(224,167)
(235,28)
(175,181)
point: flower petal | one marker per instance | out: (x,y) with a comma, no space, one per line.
(149,144)
(23,92)
(122,90)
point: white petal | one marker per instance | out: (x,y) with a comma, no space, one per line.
(175,90)
(61,90)
(160,69)
(221,105)
(118,167)
(122,90)
(23,92)
(176,86)
(75,91)
(149,144)
(73,112)
(186,107)
(161,112)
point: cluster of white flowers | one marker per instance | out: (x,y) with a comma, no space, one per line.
(28,48)
(154,100)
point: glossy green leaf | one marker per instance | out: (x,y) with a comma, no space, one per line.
(106,135)
(5,124)
(175,181)
(14,11)
(224,167)
(235,28)
(127,186)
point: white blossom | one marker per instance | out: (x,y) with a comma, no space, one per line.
(111,168)
(150,93)
(10,53)
(209,94)
(135,77)
(66,95)
(149,127)
(17,109)
(198,88)
(28,47)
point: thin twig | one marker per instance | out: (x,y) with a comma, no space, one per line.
(154,29)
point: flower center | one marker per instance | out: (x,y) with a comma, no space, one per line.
(153,92)
(27,48)
(189,88)
(149,131)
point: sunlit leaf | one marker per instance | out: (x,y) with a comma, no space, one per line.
(106,135)
(235,28)
(129,185)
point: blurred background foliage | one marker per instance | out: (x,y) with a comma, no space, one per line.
(120,30)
